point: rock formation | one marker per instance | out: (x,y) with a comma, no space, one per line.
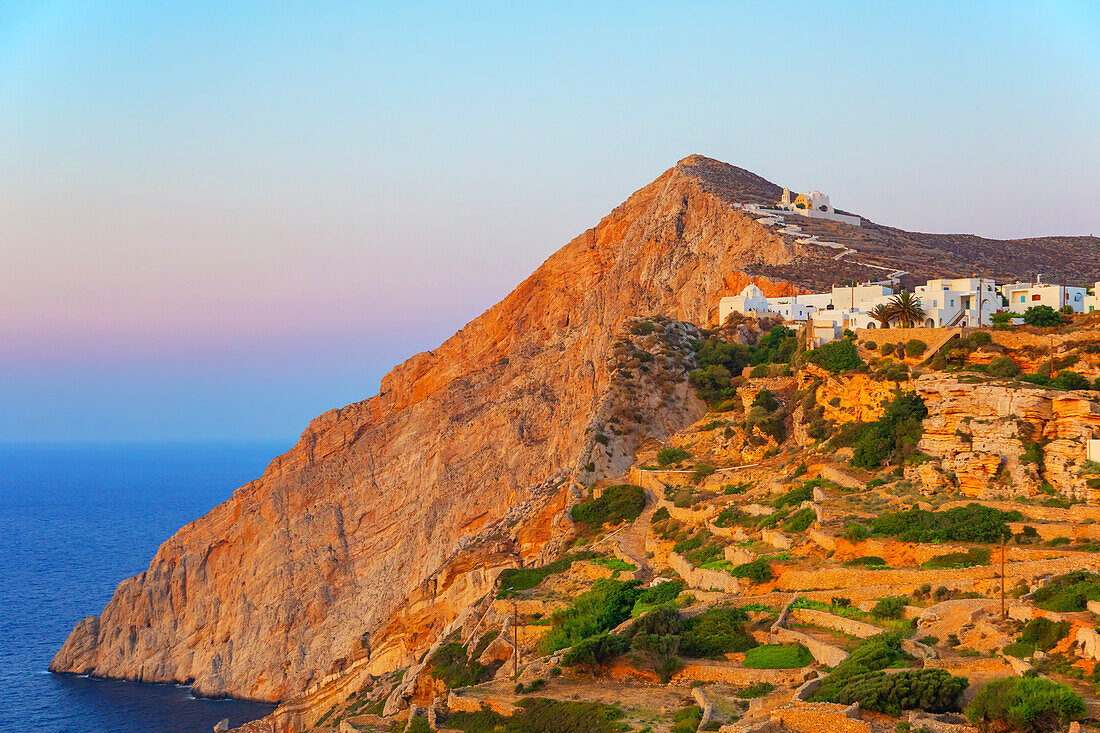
(261,596)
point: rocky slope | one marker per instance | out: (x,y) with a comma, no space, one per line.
(261,596)
(380,530)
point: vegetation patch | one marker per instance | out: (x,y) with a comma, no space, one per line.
(860,678)
(618,503)
(970,558)
(1038,634)
(607,605)
(1025,705)
(891,438)
(541,715)
(970,523)
(1069,592)
(836,356)
(451,665)
(514,580)
(778,656)
(715,632)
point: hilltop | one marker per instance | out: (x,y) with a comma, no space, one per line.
(385,530)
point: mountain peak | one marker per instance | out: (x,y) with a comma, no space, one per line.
(729,182)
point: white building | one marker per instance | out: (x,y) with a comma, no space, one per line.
(1021,296)
(969,301)
(815,205)
(1091,303)
(751,301)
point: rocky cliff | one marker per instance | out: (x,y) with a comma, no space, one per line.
(355,526)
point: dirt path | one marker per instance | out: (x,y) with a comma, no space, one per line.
(631,541)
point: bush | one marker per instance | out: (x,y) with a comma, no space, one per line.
(979,339)
(1038,634)
(686,720)
(970,523)
(856,532)
(888,349)
(1042,316)
(1025,705)
(870,345)
(800,521)
(966,559)
(870,561)
(419,725)
(659,595)
(893,436)
(618,503)
(518,579)
(890,607)
(758,571)
(795,496)
(915,348)
(451,665)
(1069,380)
(702,471)
(713,383)
(836,356)
(658,633)
(607,605)
(934,690)
(594,652)
(764,398)
(778,656)
(1069,592)
(669,456)
(1002,366)
(715,632)
(540,715)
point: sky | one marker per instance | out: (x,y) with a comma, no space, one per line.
(218,220)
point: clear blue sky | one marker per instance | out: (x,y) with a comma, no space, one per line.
(218,220)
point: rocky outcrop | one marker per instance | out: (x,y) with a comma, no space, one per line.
(468,451)
(980,432)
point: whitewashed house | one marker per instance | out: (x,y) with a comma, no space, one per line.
(1091,303)
(968,301)
(1021,296)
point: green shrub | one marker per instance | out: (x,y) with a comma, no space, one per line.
(856,532)
(893,436)
(1025,705)
(1038,634)
(888,349)
(715,632)
(540,715)
(760,689)
(514,580)
(871,561)
(594,652)
(1002,366)
(889,607)
(618,503)
(686,720)
(1042,316)
(915,348)
(934,690)
(658,634)
(966,559)
(870,345)
(669,456)
(971,523)
(1069,592)
(713,383)
(836,356)
(758,571)
(764,398)
(795,496)
(451,665)
(607,605)
(418,725)
(800,521)
(702,471)
(778,656)
(1069,380)
(660,515)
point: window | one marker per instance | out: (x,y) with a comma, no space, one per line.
(1036,297)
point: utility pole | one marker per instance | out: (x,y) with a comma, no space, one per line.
(1003,614)
(515,637)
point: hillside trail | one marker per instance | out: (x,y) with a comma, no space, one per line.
(631,542)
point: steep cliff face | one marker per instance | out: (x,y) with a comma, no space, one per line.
(262,595)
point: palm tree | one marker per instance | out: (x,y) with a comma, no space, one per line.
(906,307)
(881,313)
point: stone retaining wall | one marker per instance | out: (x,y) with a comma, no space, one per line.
(737,675)
(804,580)
(836,623)
(701,577)
(971,665)
(837,476)
(1078,513)
(1051,530)
(826,654)
(464,704)
(821,716)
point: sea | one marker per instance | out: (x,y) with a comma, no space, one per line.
(74,521)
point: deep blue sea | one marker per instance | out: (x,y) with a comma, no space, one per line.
(74,521)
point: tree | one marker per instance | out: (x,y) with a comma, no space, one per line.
(881,313)
(1042,316)
(906,307)
(1002,320)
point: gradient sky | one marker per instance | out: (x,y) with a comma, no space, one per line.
(218,220)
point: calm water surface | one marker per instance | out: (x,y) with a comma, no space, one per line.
(74,521)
